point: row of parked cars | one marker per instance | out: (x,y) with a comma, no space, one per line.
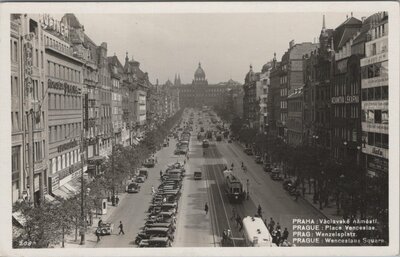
(160,225)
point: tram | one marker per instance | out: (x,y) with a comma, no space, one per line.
(233,187)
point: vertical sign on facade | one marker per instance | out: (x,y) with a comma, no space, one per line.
(28,72)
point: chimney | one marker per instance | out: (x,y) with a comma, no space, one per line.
(363,19)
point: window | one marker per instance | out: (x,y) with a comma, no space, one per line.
(16,159)
(15,52)
(378,116)
(370,93)
(41,59)
(37,57)
(385,141)
(385,92)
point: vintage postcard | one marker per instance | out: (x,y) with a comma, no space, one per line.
(206,129)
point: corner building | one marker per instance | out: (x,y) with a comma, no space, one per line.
(375,94)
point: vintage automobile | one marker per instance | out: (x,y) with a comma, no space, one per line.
(105,229)
(197,175)
(133,188)
(162,225)
(248,151)
(149,163)
(143,172)
(276,174)
(267,167)
(140,179)
(258,159)
(148,233)
(156,242)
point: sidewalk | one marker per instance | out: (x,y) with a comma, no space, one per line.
(329,212)
(90,237)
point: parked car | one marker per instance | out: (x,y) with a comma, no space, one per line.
(149,163)
(258,159)
(140,179)
(197,175)
(143,172)
(267,167)
(133,188)
(276,174)
(248,151)
(148,233)
(155,242)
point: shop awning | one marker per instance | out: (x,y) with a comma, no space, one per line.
(49,198)
(19,218)
(68,189)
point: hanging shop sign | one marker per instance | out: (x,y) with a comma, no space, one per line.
(67,88)
(28,71)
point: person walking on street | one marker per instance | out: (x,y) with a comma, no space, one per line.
(285,235)
(117,200)
(238,220)
(233,214)
(153,190)
(100,223)
(121,228)
(278,226)
(206,208)
(160,173)
(98,235)
(259,211)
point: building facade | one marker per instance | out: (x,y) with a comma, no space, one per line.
(375,94)
(65,115)
(345,93)
(295,129)
(28,109)
(200,93)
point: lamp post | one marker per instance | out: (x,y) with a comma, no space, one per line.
(83,226)
(358,155)
(248,189)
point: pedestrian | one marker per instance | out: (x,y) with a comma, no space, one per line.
(285,235)
(153,190)
(259,211)
(117,200)
(121,228)
(238,220)
(160,173)
(278,236)
(100,223)
(278,226)
(233,213)
(206,208)
(272,222)
(98,235)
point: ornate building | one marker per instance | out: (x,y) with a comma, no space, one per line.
(200,93)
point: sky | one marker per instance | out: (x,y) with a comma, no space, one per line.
(225,44)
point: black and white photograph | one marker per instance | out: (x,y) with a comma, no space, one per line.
(243,126)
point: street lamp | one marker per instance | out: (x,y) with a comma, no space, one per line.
(248,189)
(358,155)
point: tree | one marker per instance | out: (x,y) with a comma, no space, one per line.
(40,228)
